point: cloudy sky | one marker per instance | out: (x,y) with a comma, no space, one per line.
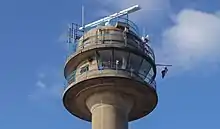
(184,33)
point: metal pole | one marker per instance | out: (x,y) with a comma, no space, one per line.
(83,17)
(83,25)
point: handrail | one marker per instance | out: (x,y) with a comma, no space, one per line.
(82,43)
(71,78)
(133,27)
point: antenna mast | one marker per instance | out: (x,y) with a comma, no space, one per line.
(70,33)
(83,17)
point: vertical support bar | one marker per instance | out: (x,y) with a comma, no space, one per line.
(83,17)
(83,30)
(96,36)
(125,35)
(127,19)
(112,60)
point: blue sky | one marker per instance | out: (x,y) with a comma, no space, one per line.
(32,52)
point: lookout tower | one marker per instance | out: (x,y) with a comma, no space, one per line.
(110,73)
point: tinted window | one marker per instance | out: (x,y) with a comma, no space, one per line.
(144,69)
(84,69)
(104,58)
(120,59)
(134,62)
(71,77)
(150,75)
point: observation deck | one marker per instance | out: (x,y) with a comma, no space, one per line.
(111,57)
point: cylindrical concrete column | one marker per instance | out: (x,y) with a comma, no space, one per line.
(109,110)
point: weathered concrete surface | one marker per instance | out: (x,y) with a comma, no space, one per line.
(144,96)
(109,109)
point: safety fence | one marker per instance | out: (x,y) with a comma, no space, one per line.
(113,22)
(108,39)
(103,67)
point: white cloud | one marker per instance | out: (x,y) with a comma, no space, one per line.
(145,4)
(193,41)
(151,9)
(218,13)
(51,93)
(40,84)
(49,86)
(63,36)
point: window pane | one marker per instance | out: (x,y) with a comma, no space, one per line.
(71,77)
(150,74)
(144,69)
(120,59)
(104,59)
(134,62)
(84,69)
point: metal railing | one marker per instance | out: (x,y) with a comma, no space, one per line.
(132,26)
(94,40)
(117,70)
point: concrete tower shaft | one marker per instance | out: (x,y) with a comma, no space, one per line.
(109,109)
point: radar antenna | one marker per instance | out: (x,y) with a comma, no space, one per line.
(113,16)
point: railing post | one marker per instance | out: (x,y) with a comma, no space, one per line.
(96,36)
(132,70)
(103,34)
(125,35)
(116,67)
